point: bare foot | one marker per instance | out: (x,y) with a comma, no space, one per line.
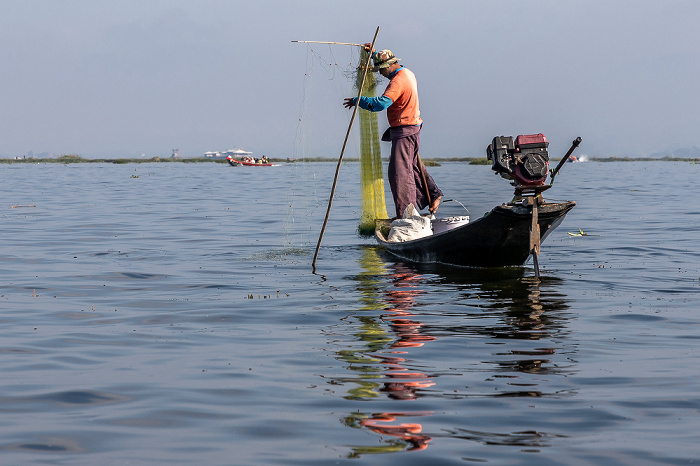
(434,206)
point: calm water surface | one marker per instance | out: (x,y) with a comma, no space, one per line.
(167,313)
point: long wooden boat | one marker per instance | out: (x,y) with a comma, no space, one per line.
(235,162)
(510,233)
(502,237)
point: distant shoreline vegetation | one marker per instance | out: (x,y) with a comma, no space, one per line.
(431,162)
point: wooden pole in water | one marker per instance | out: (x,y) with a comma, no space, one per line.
(535,233)
(342,152)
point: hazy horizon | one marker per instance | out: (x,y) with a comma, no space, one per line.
(124,79)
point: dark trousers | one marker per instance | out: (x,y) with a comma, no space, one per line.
(404,172)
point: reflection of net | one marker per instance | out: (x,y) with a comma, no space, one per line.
(372,180)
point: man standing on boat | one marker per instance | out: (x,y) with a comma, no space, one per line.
(400,100)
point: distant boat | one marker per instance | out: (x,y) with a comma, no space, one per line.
(234,163)
(241,157)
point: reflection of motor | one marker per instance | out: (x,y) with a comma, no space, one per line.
(524,160)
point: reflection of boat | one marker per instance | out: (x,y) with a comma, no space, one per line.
(410,319)
(500,238)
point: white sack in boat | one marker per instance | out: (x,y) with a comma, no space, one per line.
(411,226)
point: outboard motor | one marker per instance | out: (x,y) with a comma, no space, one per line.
(525,159)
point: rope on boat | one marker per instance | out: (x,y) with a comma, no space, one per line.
(455,200)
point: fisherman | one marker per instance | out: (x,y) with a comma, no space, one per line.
(400,100)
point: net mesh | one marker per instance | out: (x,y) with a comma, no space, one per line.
(371,174)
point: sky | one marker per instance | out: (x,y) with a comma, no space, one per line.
(121,79)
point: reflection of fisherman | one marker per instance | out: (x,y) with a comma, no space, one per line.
(401,381)
(411,432)
(400,99)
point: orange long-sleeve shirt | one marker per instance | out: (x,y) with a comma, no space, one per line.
(400,99)
(403,91)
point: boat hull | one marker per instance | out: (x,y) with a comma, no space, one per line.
(499,238)
(235,163)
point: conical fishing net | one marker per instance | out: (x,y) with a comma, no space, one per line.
(371,175)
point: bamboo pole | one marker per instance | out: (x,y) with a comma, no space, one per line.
(425,182)
(324,42)
(342,152)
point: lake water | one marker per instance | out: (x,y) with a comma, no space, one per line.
(168,314)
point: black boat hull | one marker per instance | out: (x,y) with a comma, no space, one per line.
(499,238)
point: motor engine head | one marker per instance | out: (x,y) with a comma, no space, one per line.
(525,159)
